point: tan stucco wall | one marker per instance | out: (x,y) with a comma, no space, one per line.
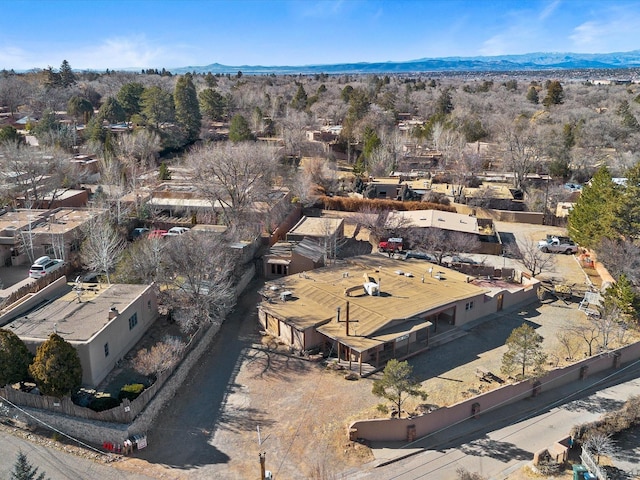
(119,337)
(393,429)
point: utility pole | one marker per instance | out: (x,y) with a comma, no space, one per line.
(262,467)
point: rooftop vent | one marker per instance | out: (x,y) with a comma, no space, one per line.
(113,313)
(284,296)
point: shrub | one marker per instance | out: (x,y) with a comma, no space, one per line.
(131,391)
(103,403)
(350,204)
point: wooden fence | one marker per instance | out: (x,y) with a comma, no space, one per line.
(123,413)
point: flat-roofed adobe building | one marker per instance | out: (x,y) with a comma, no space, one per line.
(102,322)
(481,228)
(373,308)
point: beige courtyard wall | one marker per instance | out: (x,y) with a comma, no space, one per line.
(394,429)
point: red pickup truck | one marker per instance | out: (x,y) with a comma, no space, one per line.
(391,245)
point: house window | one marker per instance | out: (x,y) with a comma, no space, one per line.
(468,306)
(133,320)
(149,304)
(74,246)
(49,250)
(106,349)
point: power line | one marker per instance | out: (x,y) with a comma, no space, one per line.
(51,427)
(525,417)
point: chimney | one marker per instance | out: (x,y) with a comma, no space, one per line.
(113,313)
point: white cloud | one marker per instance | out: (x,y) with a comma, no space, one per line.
(608,35)
(113,53)
(549,9)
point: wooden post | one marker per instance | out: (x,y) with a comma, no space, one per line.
(349,356)
(263,471)
(347,315)
(360,359)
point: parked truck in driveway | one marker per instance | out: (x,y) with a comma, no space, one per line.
(391,245)
(557,244)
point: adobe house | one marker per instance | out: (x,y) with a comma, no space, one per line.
(103,322)
(373,308)
(308,243)
(482,228)
(289,258)
(56,233)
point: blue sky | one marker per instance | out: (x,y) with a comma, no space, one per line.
(113,34)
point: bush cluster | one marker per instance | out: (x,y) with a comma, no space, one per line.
(100,404)
(131,391)
(349,204)
(611,423)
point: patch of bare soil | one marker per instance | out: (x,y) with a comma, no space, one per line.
(302,410)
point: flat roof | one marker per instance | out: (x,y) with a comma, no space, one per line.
(316,226)
(72,320)
(457,222)
(489,191)
(56,221)
(407,289)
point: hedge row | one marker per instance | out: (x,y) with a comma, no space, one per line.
(611,423)
(350,204)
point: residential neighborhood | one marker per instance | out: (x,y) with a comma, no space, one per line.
(373,271)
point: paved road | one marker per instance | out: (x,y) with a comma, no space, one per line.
(182,436)
(508,438)
(57,465)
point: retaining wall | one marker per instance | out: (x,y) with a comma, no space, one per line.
(405,429)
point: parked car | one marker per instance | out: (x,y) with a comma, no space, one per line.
(157,233)
(419,256)
(44,265)
(467,260)
(138,232)
(175,231)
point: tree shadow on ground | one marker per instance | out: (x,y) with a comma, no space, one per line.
(271,364)
(243,419)
(594,404)
(503,451)
(509,244)
(628,446)
(485,337)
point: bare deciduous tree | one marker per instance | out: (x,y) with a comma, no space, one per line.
(102,246)
(199,274)
(160,357)
(142,262)
(522,151)
(531,258)
(442,243)
(600,444)
(233,177)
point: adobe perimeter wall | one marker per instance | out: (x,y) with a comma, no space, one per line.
(97,432)
(394,429)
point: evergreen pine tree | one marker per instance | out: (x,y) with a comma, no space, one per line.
(23,470)
(593,215)
(188,115)
(14,358)
(56,367)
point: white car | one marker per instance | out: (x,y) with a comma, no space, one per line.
(175,231)
(44,265)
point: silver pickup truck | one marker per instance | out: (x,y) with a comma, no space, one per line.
(558,245)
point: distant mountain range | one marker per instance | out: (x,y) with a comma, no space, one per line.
(501,63)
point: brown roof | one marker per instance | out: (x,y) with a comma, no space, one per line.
(407,288)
